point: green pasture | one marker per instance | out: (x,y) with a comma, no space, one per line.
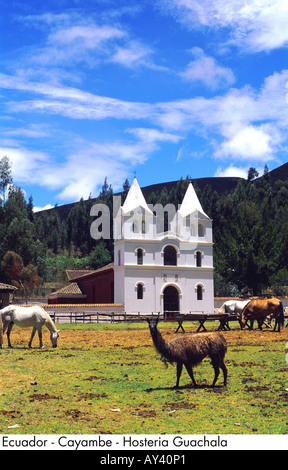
(107,379)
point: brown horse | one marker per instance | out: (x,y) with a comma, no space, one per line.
(261,309)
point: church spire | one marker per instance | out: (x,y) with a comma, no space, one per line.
(191,204)
(135,199)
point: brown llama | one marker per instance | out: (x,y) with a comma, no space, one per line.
(190,350)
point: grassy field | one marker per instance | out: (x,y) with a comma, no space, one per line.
(107,379)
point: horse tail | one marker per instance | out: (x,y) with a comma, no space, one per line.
(281,319)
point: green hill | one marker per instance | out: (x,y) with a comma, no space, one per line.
(220,185)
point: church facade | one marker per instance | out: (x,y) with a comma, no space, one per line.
(162,266)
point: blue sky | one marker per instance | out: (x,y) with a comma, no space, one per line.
(166,88)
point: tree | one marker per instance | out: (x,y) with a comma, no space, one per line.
(20,237)
(30,280)
(5,176)
(252,174)
(126,187)
(107,191)
(249,241)
(99,257)
(12,264)
(25,278)
(279,282)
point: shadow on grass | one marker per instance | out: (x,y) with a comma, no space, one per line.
(188,387)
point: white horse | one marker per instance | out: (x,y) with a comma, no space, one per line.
(234,307)
(25,317)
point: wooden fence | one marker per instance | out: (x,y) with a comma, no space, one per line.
(223,320)
(97,317)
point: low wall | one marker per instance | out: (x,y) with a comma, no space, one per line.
(87,308)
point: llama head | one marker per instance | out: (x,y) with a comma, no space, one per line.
(153,322)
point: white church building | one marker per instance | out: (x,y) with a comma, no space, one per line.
(163,271)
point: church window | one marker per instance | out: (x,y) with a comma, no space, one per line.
(170,256)
(143,225)
(199,292)
(140,291)
(139,256)
(199,259)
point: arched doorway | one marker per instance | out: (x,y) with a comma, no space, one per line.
(171,301)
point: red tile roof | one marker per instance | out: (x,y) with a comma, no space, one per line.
(108,267)
(76,273)
(70,290)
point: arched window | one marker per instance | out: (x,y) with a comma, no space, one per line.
(140,291)
(170,256)
(139,256)
(199,259)
(199,292)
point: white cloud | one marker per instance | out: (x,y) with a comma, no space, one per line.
(232,171)
(246,124)
(247,143)
(33,131)
(77,43)
(239,118)
(89,35)
(154,135)
(206,70)
(249,123)
(257,25)
(25,162)
(71,102)
(83,170)
(72,40)
(44,208)
(86,168)
(132,54)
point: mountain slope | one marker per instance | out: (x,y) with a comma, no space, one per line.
(220,185)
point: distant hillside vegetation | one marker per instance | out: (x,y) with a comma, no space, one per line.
(220,185)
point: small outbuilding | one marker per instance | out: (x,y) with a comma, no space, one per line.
(6,294)
(86,287)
